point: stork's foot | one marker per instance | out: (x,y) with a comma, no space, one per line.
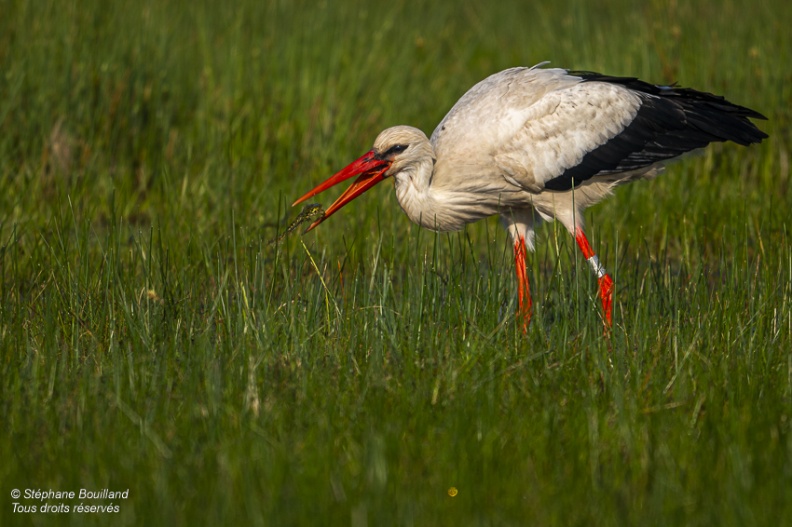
(526,310)
(606,295)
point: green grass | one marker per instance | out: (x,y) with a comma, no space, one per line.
(151,340)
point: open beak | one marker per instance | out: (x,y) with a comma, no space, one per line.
(371,171)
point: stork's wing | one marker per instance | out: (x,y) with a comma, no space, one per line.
(670,121)
(571,135)
(581,125)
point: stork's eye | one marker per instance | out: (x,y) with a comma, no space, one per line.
(395,149)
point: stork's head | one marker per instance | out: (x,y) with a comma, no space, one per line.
(396,150)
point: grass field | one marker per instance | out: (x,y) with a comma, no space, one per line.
(150,340)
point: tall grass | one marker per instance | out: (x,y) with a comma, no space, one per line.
(150,339)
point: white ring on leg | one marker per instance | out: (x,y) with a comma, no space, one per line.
(595,264)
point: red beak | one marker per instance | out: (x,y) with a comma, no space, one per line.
(371,170)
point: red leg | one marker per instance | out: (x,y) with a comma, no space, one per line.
(605,281)
(523,288)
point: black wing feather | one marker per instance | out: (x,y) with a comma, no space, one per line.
(670,122)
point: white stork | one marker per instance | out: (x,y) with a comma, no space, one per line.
(533,144)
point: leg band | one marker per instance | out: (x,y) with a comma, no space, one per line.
(595,264)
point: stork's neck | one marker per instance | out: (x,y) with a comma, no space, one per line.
(413,186)
(425,195)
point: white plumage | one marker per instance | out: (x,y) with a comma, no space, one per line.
(532,144)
